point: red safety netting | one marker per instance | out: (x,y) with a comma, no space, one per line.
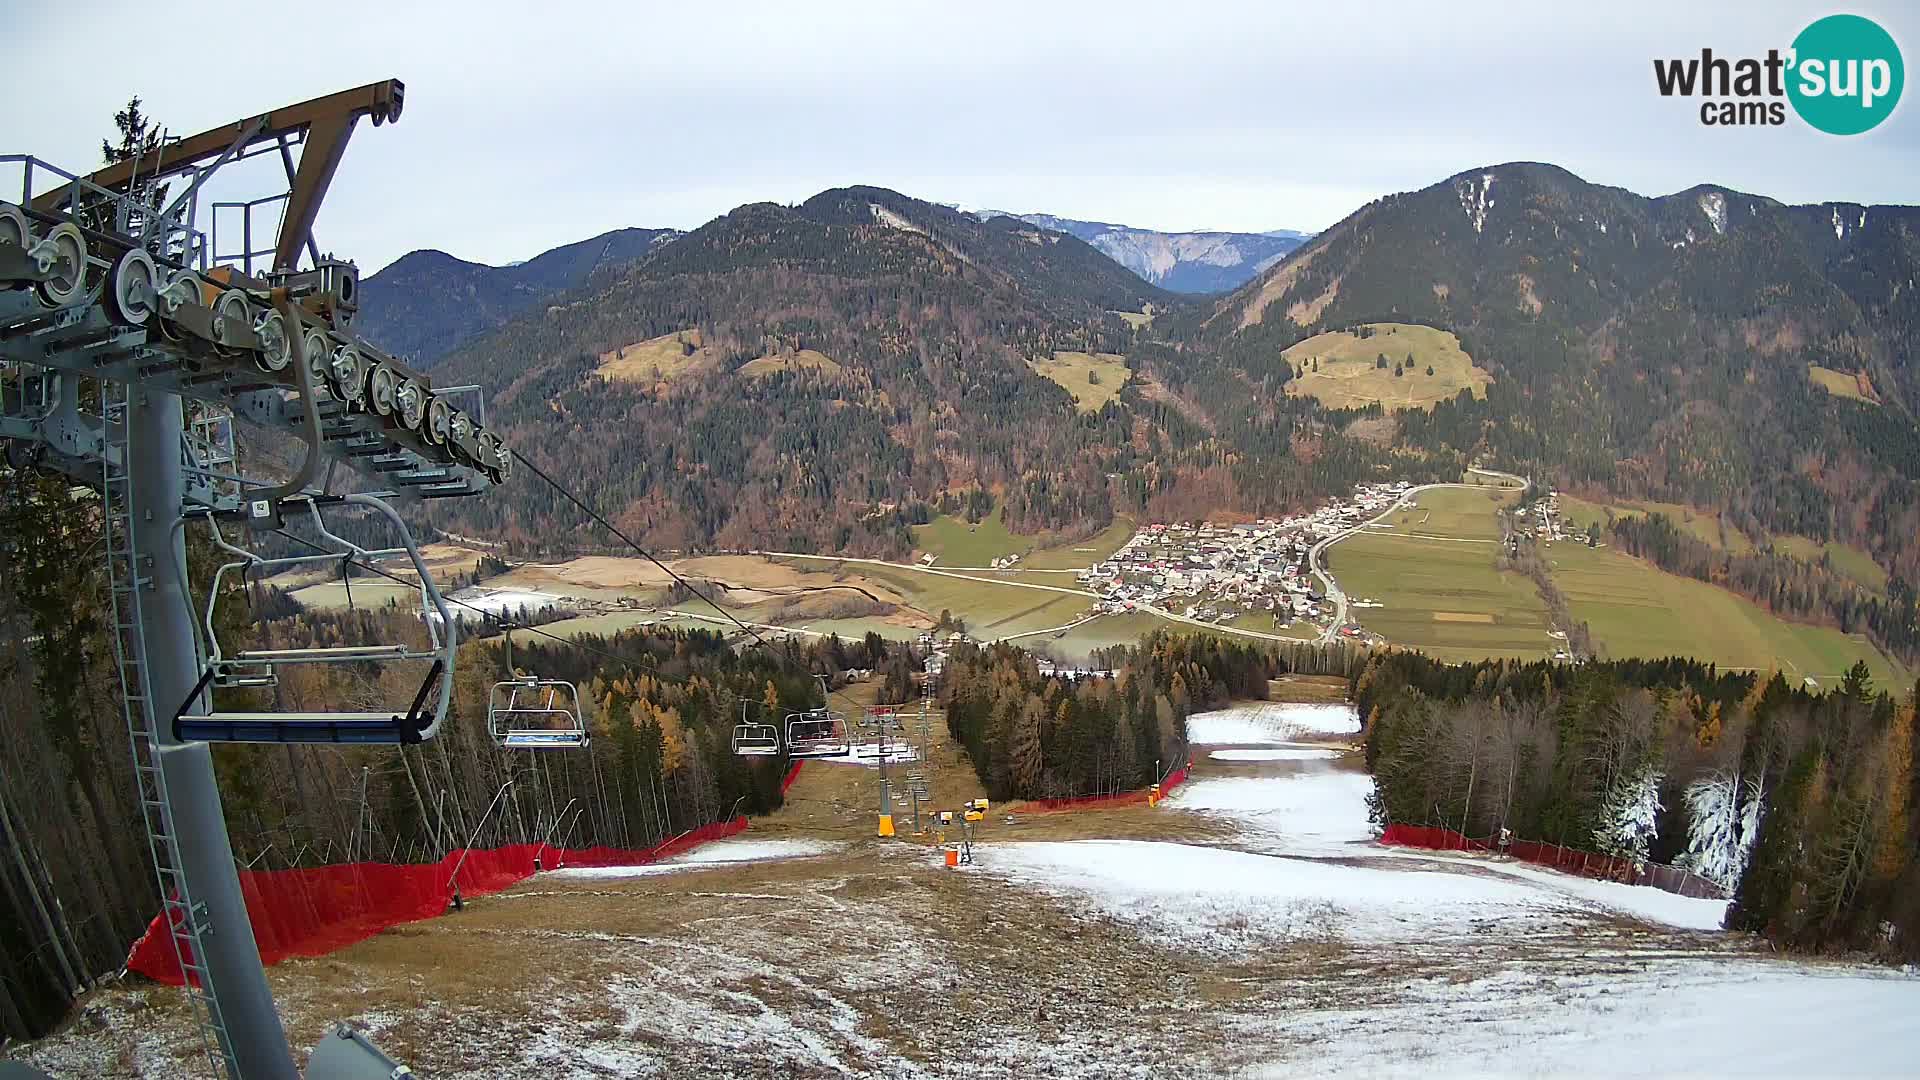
(1124,798)
(1430,836)
(313,911)
(1568,860)
(793,773)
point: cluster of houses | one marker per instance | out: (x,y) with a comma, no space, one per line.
(1219,572)
(1543,517)
(1542,520)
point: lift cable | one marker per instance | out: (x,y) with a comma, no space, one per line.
(485,614)
(645,554)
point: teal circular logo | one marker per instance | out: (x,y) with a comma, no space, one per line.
(1846,74)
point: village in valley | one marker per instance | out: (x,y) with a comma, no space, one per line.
(1222,573)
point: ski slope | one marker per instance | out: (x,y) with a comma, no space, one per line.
(732,851)
(1569,997)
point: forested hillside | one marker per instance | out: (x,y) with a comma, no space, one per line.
(1798,803)
(1657,348)
(1041,736)
(820,377)
(426,303)
(830,371)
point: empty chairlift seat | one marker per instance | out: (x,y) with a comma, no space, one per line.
(755,740)
(531,713)
(198,720)
(816,733)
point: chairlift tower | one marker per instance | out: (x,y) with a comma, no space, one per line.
(115,310)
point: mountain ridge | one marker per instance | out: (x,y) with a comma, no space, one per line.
(1657,346)
(424,304)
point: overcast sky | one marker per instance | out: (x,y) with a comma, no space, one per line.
(529,125)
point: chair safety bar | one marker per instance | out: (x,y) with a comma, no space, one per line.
(544,740)
(309,727)
(336,652)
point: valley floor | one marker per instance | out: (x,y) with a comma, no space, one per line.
(1250,927)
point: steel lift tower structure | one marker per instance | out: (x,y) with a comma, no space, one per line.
(128,345)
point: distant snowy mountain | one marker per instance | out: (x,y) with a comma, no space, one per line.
(1189,262)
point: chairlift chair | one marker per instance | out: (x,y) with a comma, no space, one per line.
(755,740)
(196,720)
(535,713)
(886,717)
(816,733)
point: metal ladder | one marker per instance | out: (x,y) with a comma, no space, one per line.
(186,920)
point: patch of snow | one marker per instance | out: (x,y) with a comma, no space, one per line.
(868,754)
(1220,898)
(1270,723)
(1290,753)
(1714,204)
(497,601)
(729,852)
(1320,813)
(1839,229)
(1687,1018)
(1639,901)
(887,217)
(1476,199)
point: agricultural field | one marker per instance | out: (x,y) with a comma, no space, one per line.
(1707,526)
(1136,319)
(362,593)
(1848,561)
(805,358)
(1078,643)
(1433,574)
(1703,524)
(1843,384)
(959,543)
(1079,554)
(656,361)
(1442,598)
(1637,609)
(1349,376)
(991,609)
(1480,476)
(1093,379)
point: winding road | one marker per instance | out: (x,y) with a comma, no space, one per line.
(1314,565)
(1317,551)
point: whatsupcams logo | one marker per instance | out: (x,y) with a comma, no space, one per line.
(1842,75)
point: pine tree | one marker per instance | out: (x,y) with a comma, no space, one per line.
(1024,751)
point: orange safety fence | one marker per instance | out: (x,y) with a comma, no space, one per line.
(1123,798)
(312,911)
